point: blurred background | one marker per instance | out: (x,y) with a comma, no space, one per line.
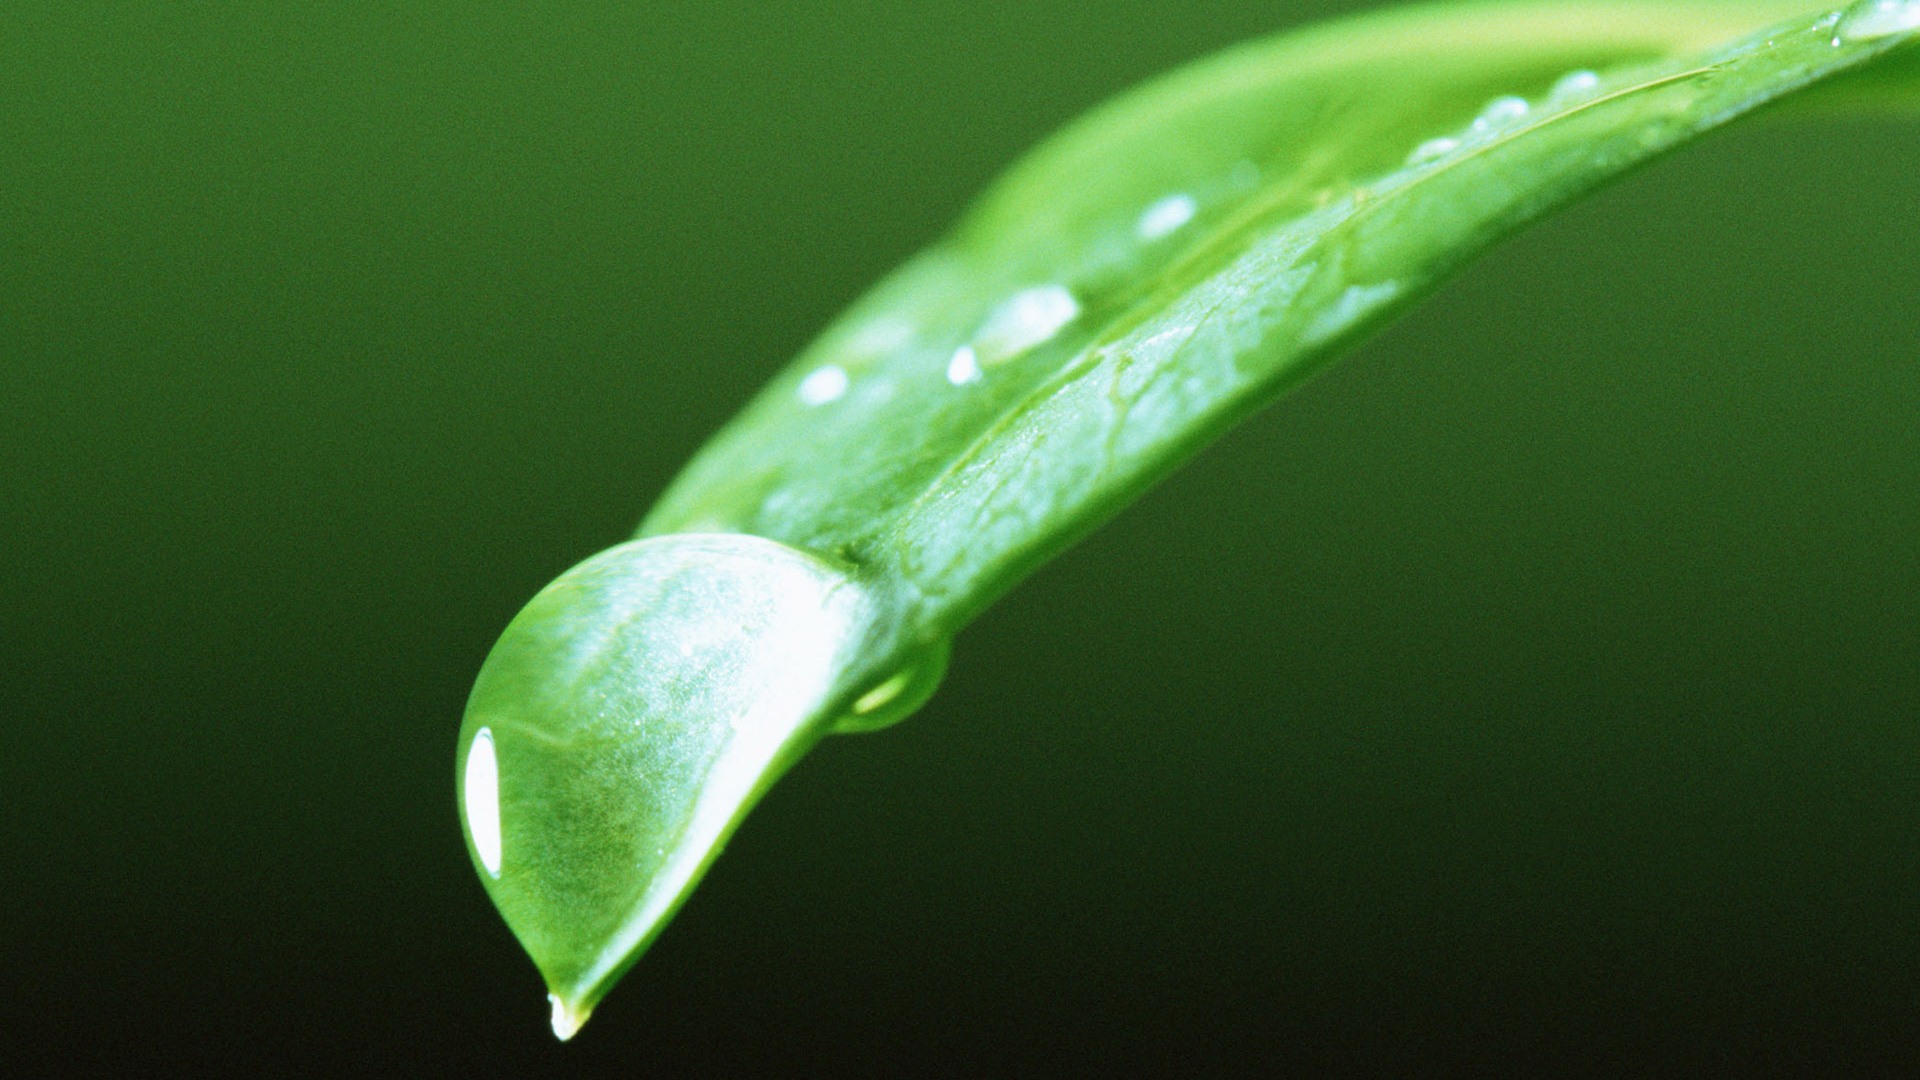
(1539,686)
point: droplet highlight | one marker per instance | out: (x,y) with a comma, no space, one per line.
(883,694)
(482,789)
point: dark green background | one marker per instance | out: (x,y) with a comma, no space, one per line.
(1540,685)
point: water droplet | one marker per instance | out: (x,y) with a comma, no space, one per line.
(1574,85)
(636,707)
(1828,22)
(964,367)
(1028,319)
(482,798)
(1431,149)
(1244,175)
(1879,18)
(1501,112)
(1167,215)
(823,385)
(898,696)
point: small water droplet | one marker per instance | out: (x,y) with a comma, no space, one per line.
(964,368)
(1501,112)
(1166,215)
(1027,319)
(898,696)
(824,385)
(1244,175)
(1876,19)
(1431,149)
(1574,85)
(482,796)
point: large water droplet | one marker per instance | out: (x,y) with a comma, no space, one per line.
(1879,18)
(633,711)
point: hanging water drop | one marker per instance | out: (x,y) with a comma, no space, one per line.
(898,696)
(625,721)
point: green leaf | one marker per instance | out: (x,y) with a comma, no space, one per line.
(1139,283)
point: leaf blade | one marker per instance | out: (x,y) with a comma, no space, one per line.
(1083,331)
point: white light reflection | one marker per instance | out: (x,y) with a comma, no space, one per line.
(483,800)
